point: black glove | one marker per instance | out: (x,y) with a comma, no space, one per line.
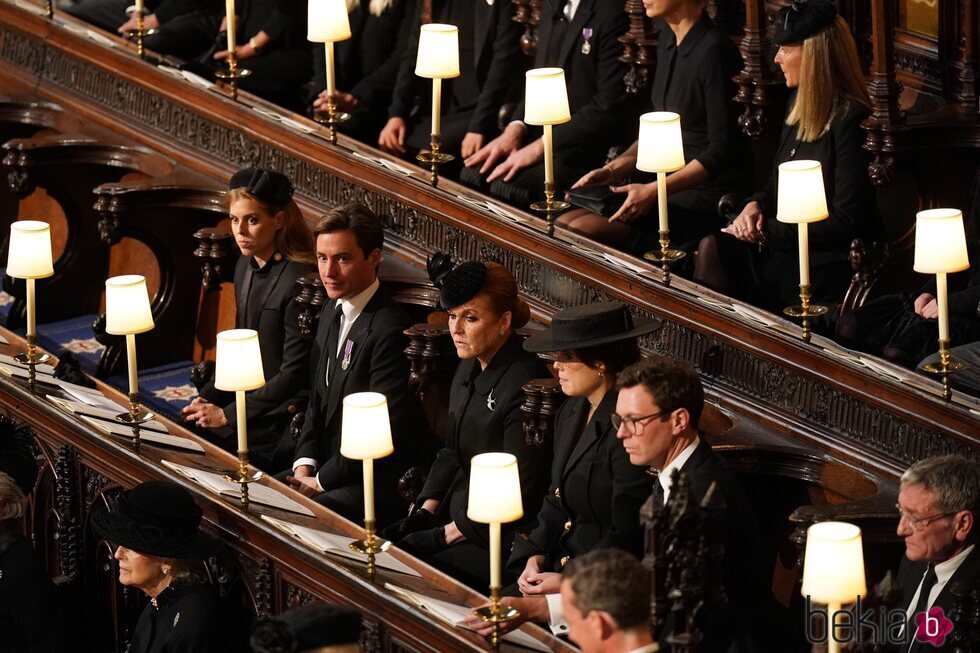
(419,520)
(425,543)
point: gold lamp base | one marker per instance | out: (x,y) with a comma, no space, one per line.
(496,614)
(665,256)
(370,546)
(138,35)
(134,417)
(805,311)
(244,475)
(550,206)
(944,368)
(31,358)
(232,74)
(331,118)
(434,158)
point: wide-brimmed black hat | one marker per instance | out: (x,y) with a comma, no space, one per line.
(263,184)
(307,627)
(802,19)
(16,458)
(590,325)
(457,284)
(157,518)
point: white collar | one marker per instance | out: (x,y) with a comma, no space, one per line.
(946,568)
(649,648)
(676,463)
(354,306)
(571,8)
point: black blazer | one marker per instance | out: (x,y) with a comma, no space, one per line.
(485,415)
(283,21)
(850,198)
(910,575)
(593,485)
(377,364)
(603,113)
(166,10)
(744,578)
(498,63)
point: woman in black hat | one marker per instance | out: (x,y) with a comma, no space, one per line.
(484,415)
(277,249)
(596,493)
(312,628)
(159,548)
(755,258)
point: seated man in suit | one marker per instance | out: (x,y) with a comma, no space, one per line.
(358,348)
(582,37)
(657,412)
(939,502)
(606,599)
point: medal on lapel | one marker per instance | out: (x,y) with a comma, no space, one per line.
(491,402)
(348,350)
(586,40)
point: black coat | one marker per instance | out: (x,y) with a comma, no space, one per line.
(603,113)
(484,416)
(285,353)
(593,486)
(497,61)
(187,618)
(910,575)
(377,364)
(31,619)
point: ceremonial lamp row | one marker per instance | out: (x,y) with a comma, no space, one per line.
(494,492)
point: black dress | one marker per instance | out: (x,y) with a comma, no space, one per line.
(484,416)
(186,618)
(264,298)
(595,495)
(31,618)
(771,278)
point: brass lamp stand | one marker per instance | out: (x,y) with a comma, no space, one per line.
(944,368)
(134,418)
(550,206)
(805,310)
(331,118)
(139,34)
(665,256)
(49,9)
(31,358)
(244,474)
(433,158)
(370,546)
(232,73)
(496,614)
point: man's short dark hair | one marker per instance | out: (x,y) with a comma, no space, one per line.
(612,581)
(357,219)
(672,383)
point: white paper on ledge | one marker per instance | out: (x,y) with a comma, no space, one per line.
(333,544)
(623,263)
(152,437)
(506,213)
(454,614)
(105,414)
(43,368)
(257,493)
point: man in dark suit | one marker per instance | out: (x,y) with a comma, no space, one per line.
(659,405)
(582,37)
(939,501)
(490,63)
(358,348)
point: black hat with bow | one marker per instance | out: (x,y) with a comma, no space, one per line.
(802,19)
(457,284)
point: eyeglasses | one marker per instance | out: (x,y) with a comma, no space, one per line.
(918,523)
(634,425)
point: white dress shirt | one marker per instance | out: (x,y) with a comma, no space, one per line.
(944,571)
(676,463)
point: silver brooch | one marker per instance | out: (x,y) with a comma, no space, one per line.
(491,402)
(176,619)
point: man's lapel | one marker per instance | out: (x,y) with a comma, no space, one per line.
(573,37)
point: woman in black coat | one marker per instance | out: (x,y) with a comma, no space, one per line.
(756,257)
(159,549)
(277,249)
(595,494)
(366,65)
(484,416)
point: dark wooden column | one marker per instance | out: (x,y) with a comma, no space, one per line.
(757,77)
(884,90)
(964,68)
(639,49)
(528,14)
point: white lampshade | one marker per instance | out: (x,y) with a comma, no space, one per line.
(29,251)
(127,305)
(545,97)
(940,242)
(495,489)
(239,361)
(800,196)
(833,567)
(438,56)
(327,21)
(660,147)
(365,430)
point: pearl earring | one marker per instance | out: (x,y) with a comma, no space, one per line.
(166,571)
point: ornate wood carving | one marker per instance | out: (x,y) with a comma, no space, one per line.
(542,398)
(757,78)
(965,73)
(296,596)
(884,90)
(528,14)
(262,588)
(217,253)
(639,49)
(372,637)
(67,500)
(311,298)
(431,354)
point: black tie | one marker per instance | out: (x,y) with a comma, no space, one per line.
(928,582)
(658,491)
(558,32)
(333,336)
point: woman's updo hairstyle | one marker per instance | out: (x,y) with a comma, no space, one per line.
(459,284)
(501,289)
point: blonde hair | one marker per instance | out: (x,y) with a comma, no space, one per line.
(830,77)
(12,498)
(293,240)
(376,8)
